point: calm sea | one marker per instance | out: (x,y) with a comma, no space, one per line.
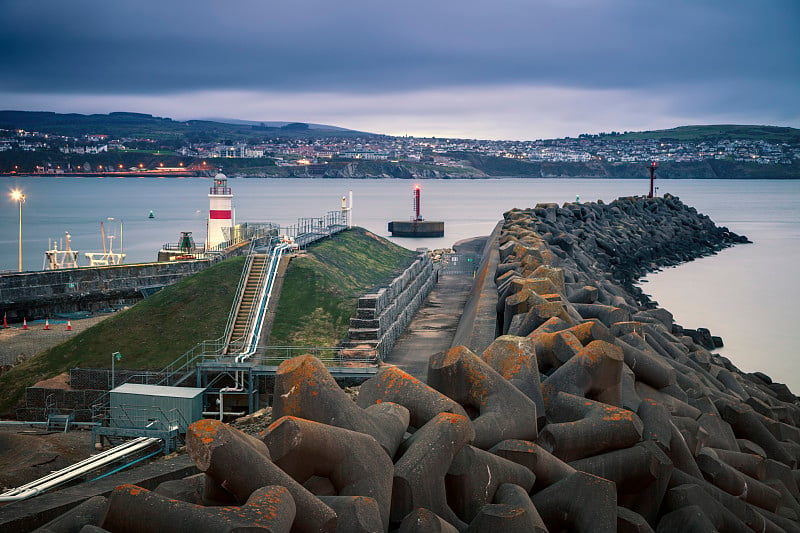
(746,294)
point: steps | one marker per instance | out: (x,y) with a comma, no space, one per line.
(246,312)
(59,422)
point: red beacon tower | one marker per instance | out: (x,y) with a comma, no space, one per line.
(220,219)
(417,226)
(653,167)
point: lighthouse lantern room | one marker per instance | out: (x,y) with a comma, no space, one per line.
(219,212)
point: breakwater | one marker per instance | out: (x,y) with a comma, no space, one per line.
(590,411)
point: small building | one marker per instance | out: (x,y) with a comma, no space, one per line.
(157,407)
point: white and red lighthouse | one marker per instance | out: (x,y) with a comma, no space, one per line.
(220,215)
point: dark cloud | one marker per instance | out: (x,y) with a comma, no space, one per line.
(712,51)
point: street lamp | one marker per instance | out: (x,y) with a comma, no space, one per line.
(116,356)
(17,196)
(121,248)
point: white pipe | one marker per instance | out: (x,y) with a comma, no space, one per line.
(78,469)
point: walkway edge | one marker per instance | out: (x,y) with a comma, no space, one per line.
(478,325)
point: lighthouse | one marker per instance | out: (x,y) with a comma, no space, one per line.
(220,218)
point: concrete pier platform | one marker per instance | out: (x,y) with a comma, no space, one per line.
(434,326)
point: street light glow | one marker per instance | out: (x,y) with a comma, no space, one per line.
(18,197)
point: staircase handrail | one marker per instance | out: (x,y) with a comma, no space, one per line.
(239,291)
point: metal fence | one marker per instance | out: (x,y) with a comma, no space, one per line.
(461,264)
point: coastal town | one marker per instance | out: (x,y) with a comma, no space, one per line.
(327,146)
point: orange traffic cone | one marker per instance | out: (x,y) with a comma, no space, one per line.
(69,325)
(24,323)
(46,323)
(5,321)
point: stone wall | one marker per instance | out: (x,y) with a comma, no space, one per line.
(38,294)
(382,316)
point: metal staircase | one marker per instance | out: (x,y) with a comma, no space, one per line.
(247,303)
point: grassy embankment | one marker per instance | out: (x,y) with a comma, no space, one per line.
(321,289)
(318,298)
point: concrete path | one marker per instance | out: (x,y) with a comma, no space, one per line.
(434,325)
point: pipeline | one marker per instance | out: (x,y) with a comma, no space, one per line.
(264,299)
(77,470)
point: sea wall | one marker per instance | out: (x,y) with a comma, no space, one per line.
(382,316)
(591,413)
(40,294)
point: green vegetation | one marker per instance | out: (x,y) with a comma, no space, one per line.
(150,335)
(318,298)
(164,130)
(321,288)
(773,134)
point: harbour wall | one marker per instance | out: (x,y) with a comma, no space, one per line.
(382,316)
(42,294)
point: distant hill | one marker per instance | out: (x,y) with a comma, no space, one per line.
(775,134)
(123,124)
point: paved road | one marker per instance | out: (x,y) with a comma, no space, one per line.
(434,325)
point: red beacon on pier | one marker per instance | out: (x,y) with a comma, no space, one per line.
(417,226)
(653,167)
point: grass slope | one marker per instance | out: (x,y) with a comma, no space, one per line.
(150,335)
(321,288)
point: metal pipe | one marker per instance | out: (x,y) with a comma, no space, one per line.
(78,469)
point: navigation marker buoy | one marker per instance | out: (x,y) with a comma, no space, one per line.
(5,321)
(69,325)
(24,323)
(46,323)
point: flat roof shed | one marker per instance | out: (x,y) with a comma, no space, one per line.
(155,406)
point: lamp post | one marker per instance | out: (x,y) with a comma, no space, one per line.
(17,196)
(116,356)
(121,248)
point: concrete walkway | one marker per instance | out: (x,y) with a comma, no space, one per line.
(433,327)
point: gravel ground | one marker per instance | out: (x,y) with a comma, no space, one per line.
(17,344)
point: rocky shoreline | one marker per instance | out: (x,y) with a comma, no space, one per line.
(591,411)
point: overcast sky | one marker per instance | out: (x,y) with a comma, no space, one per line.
(499,69)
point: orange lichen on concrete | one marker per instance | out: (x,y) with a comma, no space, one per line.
(206,430)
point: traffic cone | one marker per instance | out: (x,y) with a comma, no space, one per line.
(5,321)
(24,323)
(46,323)
(69,325)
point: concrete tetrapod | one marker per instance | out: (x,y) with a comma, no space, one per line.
(355,514)
(89,512)
(641,474)
(423,402)
(547,468)
(199,488)
(352,461)
(581,428)
(304,388)
(504,411)
(423,520)
(690,495)
(419,475)
(241,464)
(475,475)
(511,512)
(595,372)
(133,509)
(581,502)
(514,358)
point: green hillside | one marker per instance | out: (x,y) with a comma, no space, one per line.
(318,297)
(774,134)
(321,288)
(150,335)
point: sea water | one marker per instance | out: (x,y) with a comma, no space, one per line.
(745,294)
